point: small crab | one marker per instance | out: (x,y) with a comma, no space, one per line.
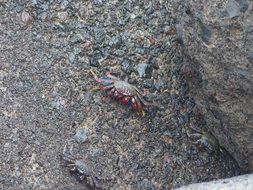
(79,168)
(122,91)
(205,139)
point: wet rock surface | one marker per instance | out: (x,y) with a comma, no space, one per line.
(219,70)
(47,51)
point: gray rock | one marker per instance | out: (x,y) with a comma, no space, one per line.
(147,185)
(205,32)
(243,182)
(141,68)
(221,83)
(243,5)
(18,8)
(125,65)
(34,2)
(159,84)
(26,17)
(233,9)
(80,136)
(93,61)
(63,16)
(144,70)
(250,56)
(71,57)
(64,4)
(179,31)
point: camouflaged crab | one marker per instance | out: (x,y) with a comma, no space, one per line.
(205,139)
(79,168)
(122,91)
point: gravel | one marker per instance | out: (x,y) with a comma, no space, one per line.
(47,51)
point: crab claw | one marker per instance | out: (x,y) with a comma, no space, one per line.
(107,81)
(95,89)
(95,76)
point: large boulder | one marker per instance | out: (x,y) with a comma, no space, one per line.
(243,182)
(217,40)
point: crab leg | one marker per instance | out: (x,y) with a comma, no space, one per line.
(67,165)
(98,88)
(95,76)
(140,96)
(144,101)
(138,106)
(106,87)
(138,103)
(67,158)
(108,74)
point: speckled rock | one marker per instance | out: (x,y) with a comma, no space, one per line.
(243,182)
(47,97)
(218,49)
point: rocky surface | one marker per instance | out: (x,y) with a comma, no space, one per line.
(217,41)
(243,182)
(48,49)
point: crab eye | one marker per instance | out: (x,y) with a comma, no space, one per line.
(133,102)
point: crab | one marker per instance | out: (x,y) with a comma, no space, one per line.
(122,91)
(79,168)
(205,139)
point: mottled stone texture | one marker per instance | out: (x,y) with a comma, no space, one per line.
(243,182)
(47,52)
(217,40)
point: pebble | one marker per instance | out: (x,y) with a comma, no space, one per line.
(76,38)
(93,62)
(243,5)
(144,70)
(232,9)
(125,65)
(64,4)
(114,41)
(18,8)
(148,83)
(71,57)
(169,30)
(34,2)
(179,31)
(80,136)
(159,84)
(141,68)
(26,17)
(147,185)
(63,16)
(250,56)
(43,16)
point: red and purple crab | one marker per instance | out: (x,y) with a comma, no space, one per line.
(122,91)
